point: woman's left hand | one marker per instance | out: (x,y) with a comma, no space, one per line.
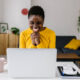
(36,37)
(37,40)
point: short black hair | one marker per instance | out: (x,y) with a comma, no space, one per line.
(36,10)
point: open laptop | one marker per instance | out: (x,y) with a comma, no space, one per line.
(31,63)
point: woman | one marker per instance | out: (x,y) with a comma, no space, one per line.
(37,36)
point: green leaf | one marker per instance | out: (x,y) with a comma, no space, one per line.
(15,30)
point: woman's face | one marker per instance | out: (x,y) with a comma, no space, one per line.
(36,23)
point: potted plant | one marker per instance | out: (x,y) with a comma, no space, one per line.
(15,30)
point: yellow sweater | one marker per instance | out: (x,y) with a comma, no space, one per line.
(47,39)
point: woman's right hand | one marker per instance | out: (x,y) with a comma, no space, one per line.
(35,37)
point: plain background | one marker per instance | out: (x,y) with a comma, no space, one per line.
(61,15)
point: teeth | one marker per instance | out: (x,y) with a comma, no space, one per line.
(35,29)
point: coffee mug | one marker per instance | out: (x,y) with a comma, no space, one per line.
(2,62)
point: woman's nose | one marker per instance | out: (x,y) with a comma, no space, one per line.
(35,26)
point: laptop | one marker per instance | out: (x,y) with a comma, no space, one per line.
(31,63)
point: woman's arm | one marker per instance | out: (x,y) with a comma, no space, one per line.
(22,42)
(52,43)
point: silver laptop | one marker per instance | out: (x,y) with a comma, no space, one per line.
(31,63)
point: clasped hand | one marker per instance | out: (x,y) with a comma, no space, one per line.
(35,37)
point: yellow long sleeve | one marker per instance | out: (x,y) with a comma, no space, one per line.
(22,41)
(47,39)
(52,41)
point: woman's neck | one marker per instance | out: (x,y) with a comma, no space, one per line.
(43,28)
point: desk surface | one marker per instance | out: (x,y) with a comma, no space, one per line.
(68,57)
(4,75)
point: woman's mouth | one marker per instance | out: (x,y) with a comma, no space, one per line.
(35,29)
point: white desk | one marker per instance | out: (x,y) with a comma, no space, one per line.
(4,75)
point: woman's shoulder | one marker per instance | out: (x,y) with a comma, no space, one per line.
(50,31)
(26,31)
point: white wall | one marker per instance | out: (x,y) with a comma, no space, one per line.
(12,13)
(1,9)
(61,15)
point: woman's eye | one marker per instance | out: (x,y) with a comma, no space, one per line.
(32,22)
(38,22)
